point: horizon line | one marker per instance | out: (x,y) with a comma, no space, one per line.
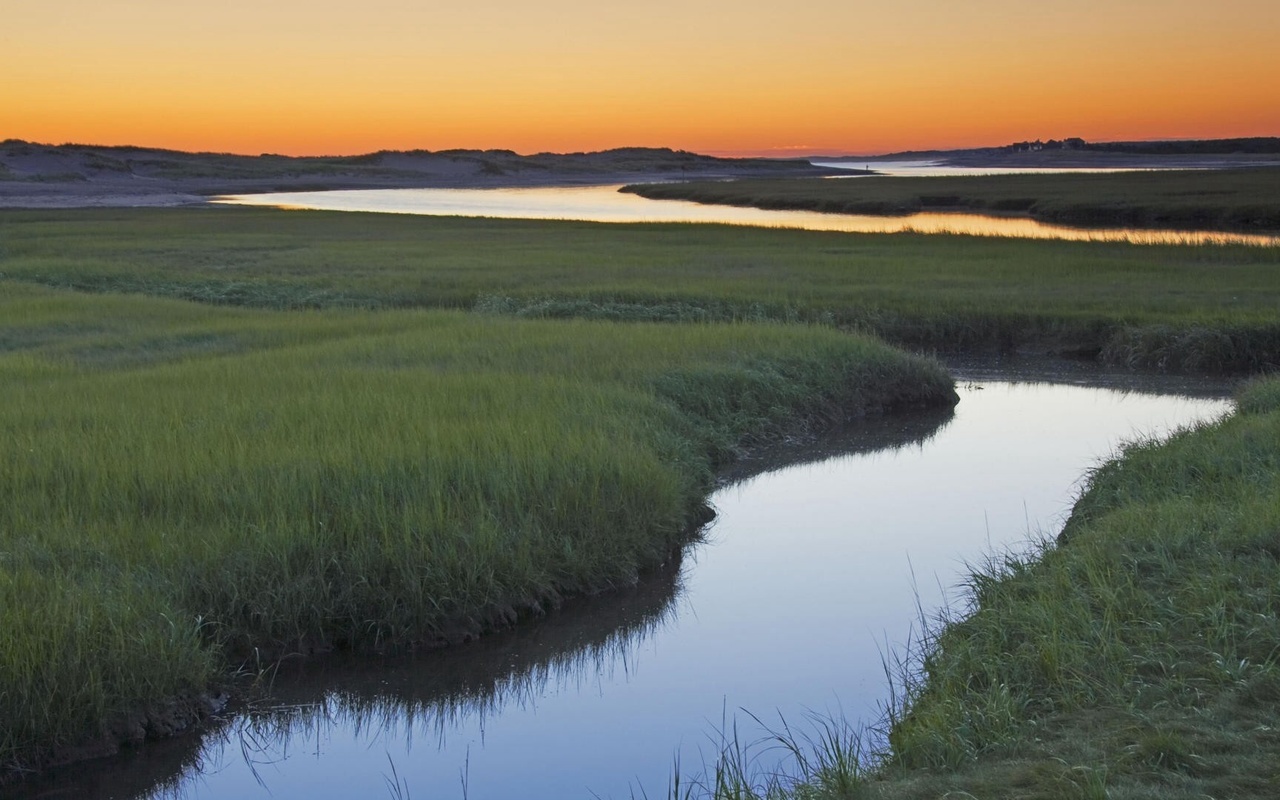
(778,153)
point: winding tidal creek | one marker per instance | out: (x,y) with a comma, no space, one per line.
(813,576)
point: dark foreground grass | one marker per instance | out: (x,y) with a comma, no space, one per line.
(1227,200)
(1200,308)
(185,487)
(1138,658)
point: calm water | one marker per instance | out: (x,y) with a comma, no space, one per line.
(932,169)
(607,204)
(811,572)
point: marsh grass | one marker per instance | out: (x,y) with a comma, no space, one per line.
(1203,307)
(821,757)
(1227,199)
(1136,657)
(188,486)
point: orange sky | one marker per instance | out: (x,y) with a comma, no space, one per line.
(808,76)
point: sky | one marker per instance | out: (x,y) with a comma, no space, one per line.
(744,77)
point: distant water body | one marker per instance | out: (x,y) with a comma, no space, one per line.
(937,169)
(605,203)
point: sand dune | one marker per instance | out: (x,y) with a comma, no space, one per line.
(53,176)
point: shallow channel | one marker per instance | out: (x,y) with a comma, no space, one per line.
(812,573)
(606,204)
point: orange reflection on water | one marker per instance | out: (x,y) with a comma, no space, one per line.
(607,204)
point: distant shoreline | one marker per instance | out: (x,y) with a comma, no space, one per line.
(1076,153)
(78,176)
(14,194)
(38,176)
(1228,200)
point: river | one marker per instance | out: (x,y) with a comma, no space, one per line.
(812,575)
(606,204)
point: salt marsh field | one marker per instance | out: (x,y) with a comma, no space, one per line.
(810,577)
(431,377)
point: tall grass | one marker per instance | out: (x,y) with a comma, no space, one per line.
(1145,649)
(1136,657)
(820,758)
(1204,307)
(184,486)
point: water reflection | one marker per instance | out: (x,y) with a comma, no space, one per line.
(885,434)
(382,704)
(393,716)
(909,168)
(607,204)
(811,572)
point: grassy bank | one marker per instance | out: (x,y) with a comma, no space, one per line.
(1137,658)
(1164,307)
(185,486)
(1227,200)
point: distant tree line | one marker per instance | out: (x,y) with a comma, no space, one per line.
(1252,145)
(1074,143)
(1256,144)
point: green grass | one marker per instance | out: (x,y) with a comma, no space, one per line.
(1144,652)
(185,482)
(1200,308)
(1137,659)
(1235,199)
(185,485)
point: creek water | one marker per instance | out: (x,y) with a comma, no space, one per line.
(606,204)
(811,576)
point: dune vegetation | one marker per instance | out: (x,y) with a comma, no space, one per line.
(74,172)
(1197,308)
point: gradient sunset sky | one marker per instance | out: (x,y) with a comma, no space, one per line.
(802,77)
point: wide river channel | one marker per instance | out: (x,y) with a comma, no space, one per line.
(812,577)
(604,203)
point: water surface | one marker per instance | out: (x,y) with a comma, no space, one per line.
(607,204)
(909,168)
(812,572)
